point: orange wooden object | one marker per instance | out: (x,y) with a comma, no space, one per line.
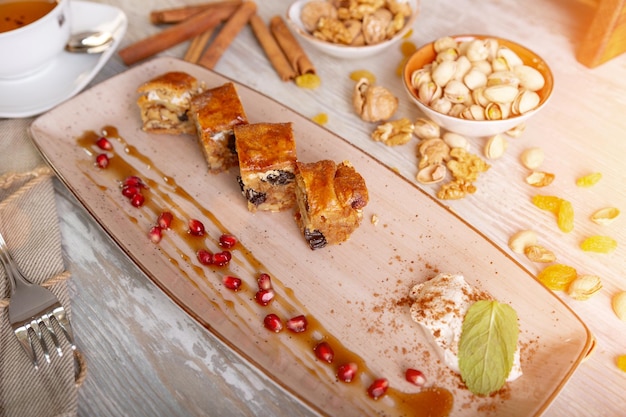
(606,37)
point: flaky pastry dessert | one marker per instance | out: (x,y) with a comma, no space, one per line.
(267,163)
(215,112)
(329,201)
(164,103)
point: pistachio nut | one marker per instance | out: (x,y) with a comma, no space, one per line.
(516,131)
(496,146)
(426,129)
(475,78)
(511,58)
(605,215)
(540,178)
(431,174)
(443,73)
(455,140)
(532,158)
(441,105)
(456,92)
(525,101)
(529,77)
(444,43)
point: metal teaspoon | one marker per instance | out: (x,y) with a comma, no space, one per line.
(89,42)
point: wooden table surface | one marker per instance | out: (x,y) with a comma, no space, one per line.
(146,357)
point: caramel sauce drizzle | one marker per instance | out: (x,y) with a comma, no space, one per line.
(430,401)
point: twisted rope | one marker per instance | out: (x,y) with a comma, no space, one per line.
(39,174)
(81,373)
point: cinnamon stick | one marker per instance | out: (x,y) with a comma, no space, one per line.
(177,15)
(272,49)
(173,35)
(227,34)
(197,45)
(290,46)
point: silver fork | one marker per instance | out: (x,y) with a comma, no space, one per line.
(32,309)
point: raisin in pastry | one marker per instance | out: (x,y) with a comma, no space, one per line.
(330,198)
(215,112)
(267,163)
(164,103)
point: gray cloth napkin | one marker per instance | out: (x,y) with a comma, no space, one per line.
(29,224)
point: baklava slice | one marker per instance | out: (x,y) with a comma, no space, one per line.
(330,198)
(267,164)
(215,112)
(164,103)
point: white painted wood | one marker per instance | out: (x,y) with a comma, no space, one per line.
(162,363)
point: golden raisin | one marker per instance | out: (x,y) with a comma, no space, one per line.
(565,216)
(599,244)
(547,202)
(320,118)
(407,48)
(400,67)
(621,362)
(589,179)
(308,80)
(358,74)
(557,277)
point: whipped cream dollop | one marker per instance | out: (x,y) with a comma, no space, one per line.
(439,306)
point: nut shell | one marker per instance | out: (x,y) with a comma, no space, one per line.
(373,103)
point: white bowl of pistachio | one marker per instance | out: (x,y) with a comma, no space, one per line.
(351,32)
(477,85)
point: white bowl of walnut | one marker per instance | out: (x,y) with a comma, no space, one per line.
(351,32)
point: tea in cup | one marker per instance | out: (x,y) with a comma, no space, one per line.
(32,33)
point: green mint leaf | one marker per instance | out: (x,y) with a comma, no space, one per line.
(487,346)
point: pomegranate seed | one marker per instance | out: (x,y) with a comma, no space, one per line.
(346,372)
(232,283)
(264,281)
(222,258)
(415,377)
(264,297)
(204,257)
(165,220)
(137,200)
(196,227)
(155,234)
(133,180)
(324,352)
(272,322)
(103,143)
(297,324)
(378,388)
(102,160)
(129,191)
(227,241)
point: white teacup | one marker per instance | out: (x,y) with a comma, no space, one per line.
(30,48)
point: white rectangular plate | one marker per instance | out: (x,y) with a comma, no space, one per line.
(354,294)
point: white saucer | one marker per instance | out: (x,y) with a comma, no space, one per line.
(69,73)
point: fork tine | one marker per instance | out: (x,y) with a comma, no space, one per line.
(64,323)
(35,325)
(22,336)
(45,318)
